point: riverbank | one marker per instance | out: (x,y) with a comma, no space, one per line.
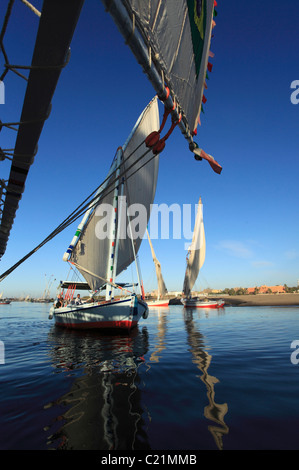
(262,300)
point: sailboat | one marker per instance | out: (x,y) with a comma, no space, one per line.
(195,260)
(159,302)
(100,258)
(3,301)
(171,41)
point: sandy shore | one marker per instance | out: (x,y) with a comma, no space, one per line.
(262,299)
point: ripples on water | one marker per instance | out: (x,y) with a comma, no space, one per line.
(182,380)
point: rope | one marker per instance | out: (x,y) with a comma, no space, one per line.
(82,208)
(101,278)
(32,8)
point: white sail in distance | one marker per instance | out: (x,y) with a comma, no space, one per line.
(196,252)
(161,284)
(92,250)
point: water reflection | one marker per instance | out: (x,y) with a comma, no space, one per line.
(159,340)
(103,407)
(213,411)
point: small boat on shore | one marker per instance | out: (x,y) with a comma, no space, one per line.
(195,260)
(201,302)
(158,303)
(3,301)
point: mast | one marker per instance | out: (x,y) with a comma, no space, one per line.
(111,267)
(88,214)
(92,205)
(135,259)
(103,251)
(120,223)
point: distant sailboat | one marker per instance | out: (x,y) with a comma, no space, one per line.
(101,258)
(3,301)
(195,260)
(159,302)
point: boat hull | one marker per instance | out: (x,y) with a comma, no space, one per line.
(121,314)
(158,303)
(198,303)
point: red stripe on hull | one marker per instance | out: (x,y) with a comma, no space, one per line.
(209,306)
(123,325)
(205,306)
(158,305)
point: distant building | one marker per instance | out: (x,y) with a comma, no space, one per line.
(266,290)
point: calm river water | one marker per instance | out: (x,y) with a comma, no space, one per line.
(183,380)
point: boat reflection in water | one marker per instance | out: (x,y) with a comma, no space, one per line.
(136,391)
(103,407)
(213,411)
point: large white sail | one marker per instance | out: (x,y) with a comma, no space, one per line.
(161,284)
(138,174)
(176,35)
(197,252)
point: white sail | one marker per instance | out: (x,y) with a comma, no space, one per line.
(176,35)
(161,284)
(197,252)
(93,253)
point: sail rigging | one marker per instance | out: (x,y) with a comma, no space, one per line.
(196,252)
(171,40)
(94,248)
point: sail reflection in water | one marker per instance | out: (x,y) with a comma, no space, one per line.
(213,411)
(137,391)
(103,406)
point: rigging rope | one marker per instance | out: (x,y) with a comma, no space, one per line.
(32,8)
(82,208)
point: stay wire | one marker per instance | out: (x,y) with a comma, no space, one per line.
(78,212)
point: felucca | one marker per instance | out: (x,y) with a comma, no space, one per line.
(195,260)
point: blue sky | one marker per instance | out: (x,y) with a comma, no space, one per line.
(250,127)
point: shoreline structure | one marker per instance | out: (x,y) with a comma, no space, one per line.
(261,300)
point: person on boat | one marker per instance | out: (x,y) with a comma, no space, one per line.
(58,302)
(78,300)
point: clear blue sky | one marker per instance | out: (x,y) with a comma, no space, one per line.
(250,127)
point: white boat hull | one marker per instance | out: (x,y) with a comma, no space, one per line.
(116,314)
(158,303)
(202,303)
